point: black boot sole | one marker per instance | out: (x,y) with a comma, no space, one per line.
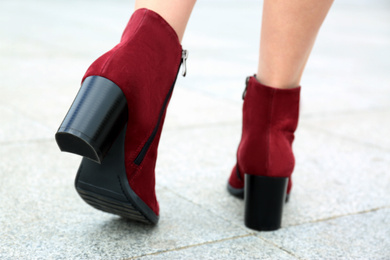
(105,186)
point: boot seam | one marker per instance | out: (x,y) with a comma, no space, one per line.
(268,141)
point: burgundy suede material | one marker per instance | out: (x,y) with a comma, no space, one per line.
(270,118)
(144,65)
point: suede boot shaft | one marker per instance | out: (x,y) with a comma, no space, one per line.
(270,118)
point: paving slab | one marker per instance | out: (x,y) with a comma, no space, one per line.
(18,127)
(336,176)
(366,127)
(43,217)
(248,247)
(333,176)
(361,236)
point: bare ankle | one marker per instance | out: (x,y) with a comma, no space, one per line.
(278,82)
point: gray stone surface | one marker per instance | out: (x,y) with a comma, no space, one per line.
(321,190)
(43,216)
(359,236)
(370,127)
(17,127)
(248,247)
(340,202)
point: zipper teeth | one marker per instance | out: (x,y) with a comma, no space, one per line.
(184,56)
(140,157)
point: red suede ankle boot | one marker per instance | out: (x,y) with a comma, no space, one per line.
(117,117)
(265,160)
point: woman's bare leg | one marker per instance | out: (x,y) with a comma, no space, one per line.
(175,12)
(289,29)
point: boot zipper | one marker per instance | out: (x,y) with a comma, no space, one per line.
(184,56)
(246,86)
(145,148)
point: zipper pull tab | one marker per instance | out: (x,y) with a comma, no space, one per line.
(246,86)
(184,56)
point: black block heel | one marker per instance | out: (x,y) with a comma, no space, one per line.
(95,119)
(264,200)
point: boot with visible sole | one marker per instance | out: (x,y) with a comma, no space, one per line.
(116,119)
(265,160)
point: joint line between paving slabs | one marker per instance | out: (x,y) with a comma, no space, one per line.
(340,216)
(279,247)
(206,209)
(191,246)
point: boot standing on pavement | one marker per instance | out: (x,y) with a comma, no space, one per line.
(116,119)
